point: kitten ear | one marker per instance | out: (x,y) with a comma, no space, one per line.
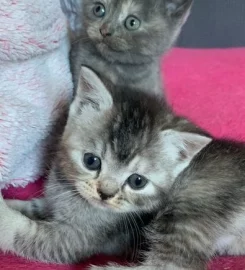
(177,7)
(183,146)
(73,11)
(91,92)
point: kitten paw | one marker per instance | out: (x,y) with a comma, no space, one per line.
(111,267)
(2,201)
(93,267)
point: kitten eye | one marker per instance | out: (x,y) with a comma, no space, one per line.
(92,162)
(99,10)
(132,23)
(136,181)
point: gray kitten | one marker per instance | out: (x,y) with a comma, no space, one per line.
(203,214)
(111,166)
(123,41)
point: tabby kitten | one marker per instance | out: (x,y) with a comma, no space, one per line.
(111,164)
(203,214)
(124,40)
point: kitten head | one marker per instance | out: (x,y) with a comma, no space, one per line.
(121,151)
(129,30)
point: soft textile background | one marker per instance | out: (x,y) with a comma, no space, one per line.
(207,86)
(35,84)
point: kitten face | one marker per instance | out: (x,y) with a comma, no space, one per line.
(129,27)
(115,151)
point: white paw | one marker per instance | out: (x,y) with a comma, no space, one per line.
(111,267)
(93,267)
(10,223)
(3,204)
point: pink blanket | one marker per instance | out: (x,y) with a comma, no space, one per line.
(208,86)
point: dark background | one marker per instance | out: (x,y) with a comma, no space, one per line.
(215,23)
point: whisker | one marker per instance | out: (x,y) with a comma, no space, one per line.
(80,39)
(127,230)
(138,236)
(133,235)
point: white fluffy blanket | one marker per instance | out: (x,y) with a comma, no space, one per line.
(35,82)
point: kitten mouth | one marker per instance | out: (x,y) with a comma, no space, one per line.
(102,204)
(98,202)
(102,46)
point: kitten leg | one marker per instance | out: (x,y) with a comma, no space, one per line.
(185,248)
(118,267)
(117,245)
(141,267)
(34,209)
(40,240)
(234,245)
(237,247)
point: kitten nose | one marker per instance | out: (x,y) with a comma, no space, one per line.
(104,30)
(105,196)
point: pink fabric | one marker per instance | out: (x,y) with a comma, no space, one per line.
(208,86)
(9,262)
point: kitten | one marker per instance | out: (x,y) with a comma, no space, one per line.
(110,167)
(124,40)
(203,214)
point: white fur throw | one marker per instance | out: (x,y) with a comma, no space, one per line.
(35,82)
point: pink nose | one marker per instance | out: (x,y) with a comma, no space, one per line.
(104,30)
